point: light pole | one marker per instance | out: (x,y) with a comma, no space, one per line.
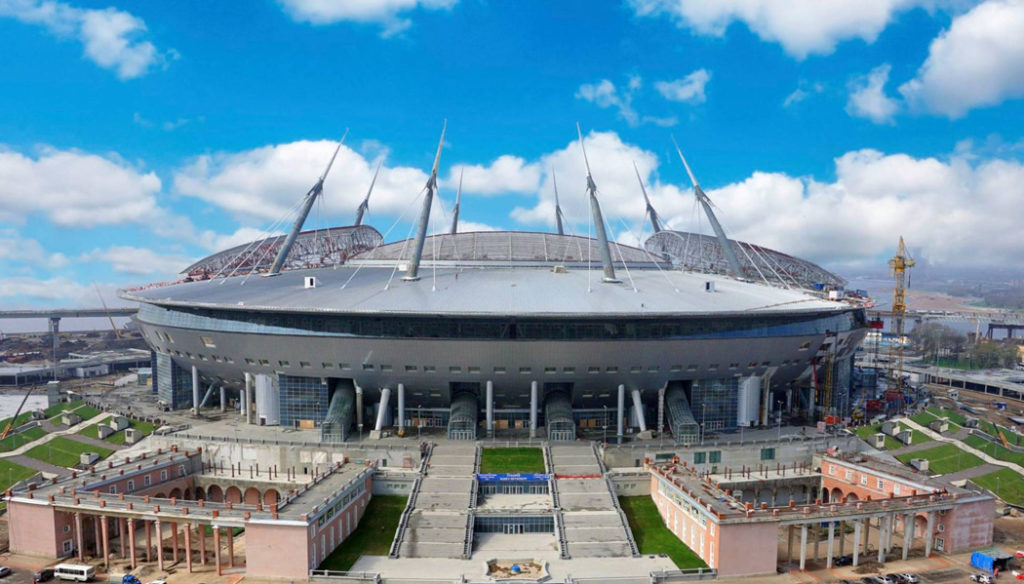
(604,427)
(703,421)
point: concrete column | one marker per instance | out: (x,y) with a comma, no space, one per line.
(149,541)
(188,547)
(401,408)
(159,546)
(831,544)
(856,541)
(908,534)
(223,399)
(231,547)
(929,529)
(803,546)
(621,412)
(489,395)
(121,530)
(97,537)
(867,533)
(638,405)
(661,410)
(248,397)
(882,529)
(789,544)
(131,543)
(842,538)
(216,548)
(202,545)
(78,537)
(817,541)
(385,396)
(106,542)
(195,390)
(533,409)
(892,533)
(359,406)
(174,543)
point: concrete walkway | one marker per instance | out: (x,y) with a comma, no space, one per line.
(72,430)
(18,456)
(964,446)
(38,465)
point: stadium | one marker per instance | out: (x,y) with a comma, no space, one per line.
(552,334)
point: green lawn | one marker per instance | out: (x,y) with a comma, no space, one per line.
(1005,483)
(944,459)
(511,460)
(18,440)
(117,437)
(952,415)
(995,450)
(651,535)
(87,412)
(63,451)
(11,473)
(865,433)
(372,537)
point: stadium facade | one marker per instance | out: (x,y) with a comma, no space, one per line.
(482,332)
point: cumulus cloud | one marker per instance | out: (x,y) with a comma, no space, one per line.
(137,260)
(802,27)
(76,189)
(265,184)
(110,38)
(868,98)
(689,89)
(604,94)
(506,174)
(385,12)
(802,92)
(58,288)
(17,249)
(977,62)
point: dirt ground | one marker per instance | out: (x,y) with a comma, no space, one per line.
(1009,532)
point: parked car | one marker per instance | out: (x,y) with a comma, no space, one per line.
(983,578)
(842,561)
(44,575)
(4,571)
(909,578)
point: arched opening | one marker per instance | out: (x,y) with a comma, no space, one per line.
(836,496)
(200,493)
(175,493)
(188,494)
(852,497)
(160,496)
(920,526)
(824,495)
(252,496)
(233,495)
(270,497)
(214,494)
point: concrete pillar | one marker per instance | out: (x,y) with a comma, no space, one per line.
(817,541)
(97,537)
(882,529)
(359,407)
(489,395)
(188,547)
(401,408)
(174,543)
(908,534)
(621,412)
(106,542)
(831,544)
(248,397)
(891,536)
(867,533)
(131,543)
(385,396)
(842,538)
(216,548)
(231,546)
(79,543)
(803,546)
(120,537)
(159,546)
(533,409)
(195,390)
(929,529)
(149,541)
(638,405)
(202,545)
(223,399)
(856,541)
(661,410)
(54,335)
(789,544)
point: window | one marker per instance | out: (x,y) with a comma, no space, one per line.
(699,457)
(636,369)
(568,370)
(940,544)
(67,546)
(849,474)
(832,469)
(593,369)
(473,370)
(525,370)
(880,484)
(201,356)
(344,366)
(500,370)
(367,366)
(163,475)
(805,345)
(691,368)
(734,365)
(895,489)
(131,485)
(147,480)
(169,337)
(715,456)
(208,342)
(112,490)
(386,368)
(713,367)
(249,361)
(653,369)
(304,364)
(265,362)
(767,454)
(675,368)
(326,365)
(612,369)
(411,368)
(284,363)
(550,370)
(67,529)
(752,364)
(429,369)
(863,479)
(181,470)
(455,369)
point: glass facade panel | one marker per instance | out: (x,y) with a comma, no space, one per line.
(515,524)
(174,383)
(302,399)
(714,403)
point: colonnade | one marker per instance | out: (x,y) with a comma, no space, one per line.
(885,525)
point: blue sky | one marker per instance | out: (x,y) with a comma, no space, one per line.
(136,137)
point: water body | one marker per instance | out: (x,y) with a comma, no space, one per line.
(9,403)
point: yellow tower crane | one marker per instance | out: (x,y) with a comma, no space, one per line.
(898,267)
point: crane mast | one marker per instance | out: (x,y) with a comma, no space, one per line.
(898,268)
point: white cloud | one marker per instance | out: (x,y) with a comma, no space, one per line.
(868,98)
(802,27)
(506,174)
(57,288)
(802,92)
(77,189)
(264,184)
(605,95)
(689,89)
(17,249)
(978,62)
(110,38)
(384,12)
(138,261)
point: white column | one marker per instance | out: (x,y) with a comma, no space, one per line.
(882,530)
(533,409)
(385,395)
(622,407)
(831,544)
(401,407)
(856,541)
(359,406)
(195,390)
(803,546)
(638,405)
(928,534)
(248,398)
(908,534)
(223,399)
(490,408)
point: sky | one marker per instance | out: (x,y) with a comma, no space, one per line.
(137,137)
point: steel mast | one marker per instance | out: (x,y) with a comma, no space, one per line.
(558,207)
(412,273)
(455,212)
(595,211)
(655,222)
(365,205)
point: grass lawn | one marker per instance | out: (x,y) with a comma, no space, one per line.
(865,433)
(63,451)
(117,437)
(87,412)
(373,536)
(1009,487)
(995,450)
(651,535)
(511,460)
(944,459)
(11,473)
(18,440)
(952,415)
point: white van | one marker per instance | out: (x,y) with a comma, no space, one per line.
(78,572)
